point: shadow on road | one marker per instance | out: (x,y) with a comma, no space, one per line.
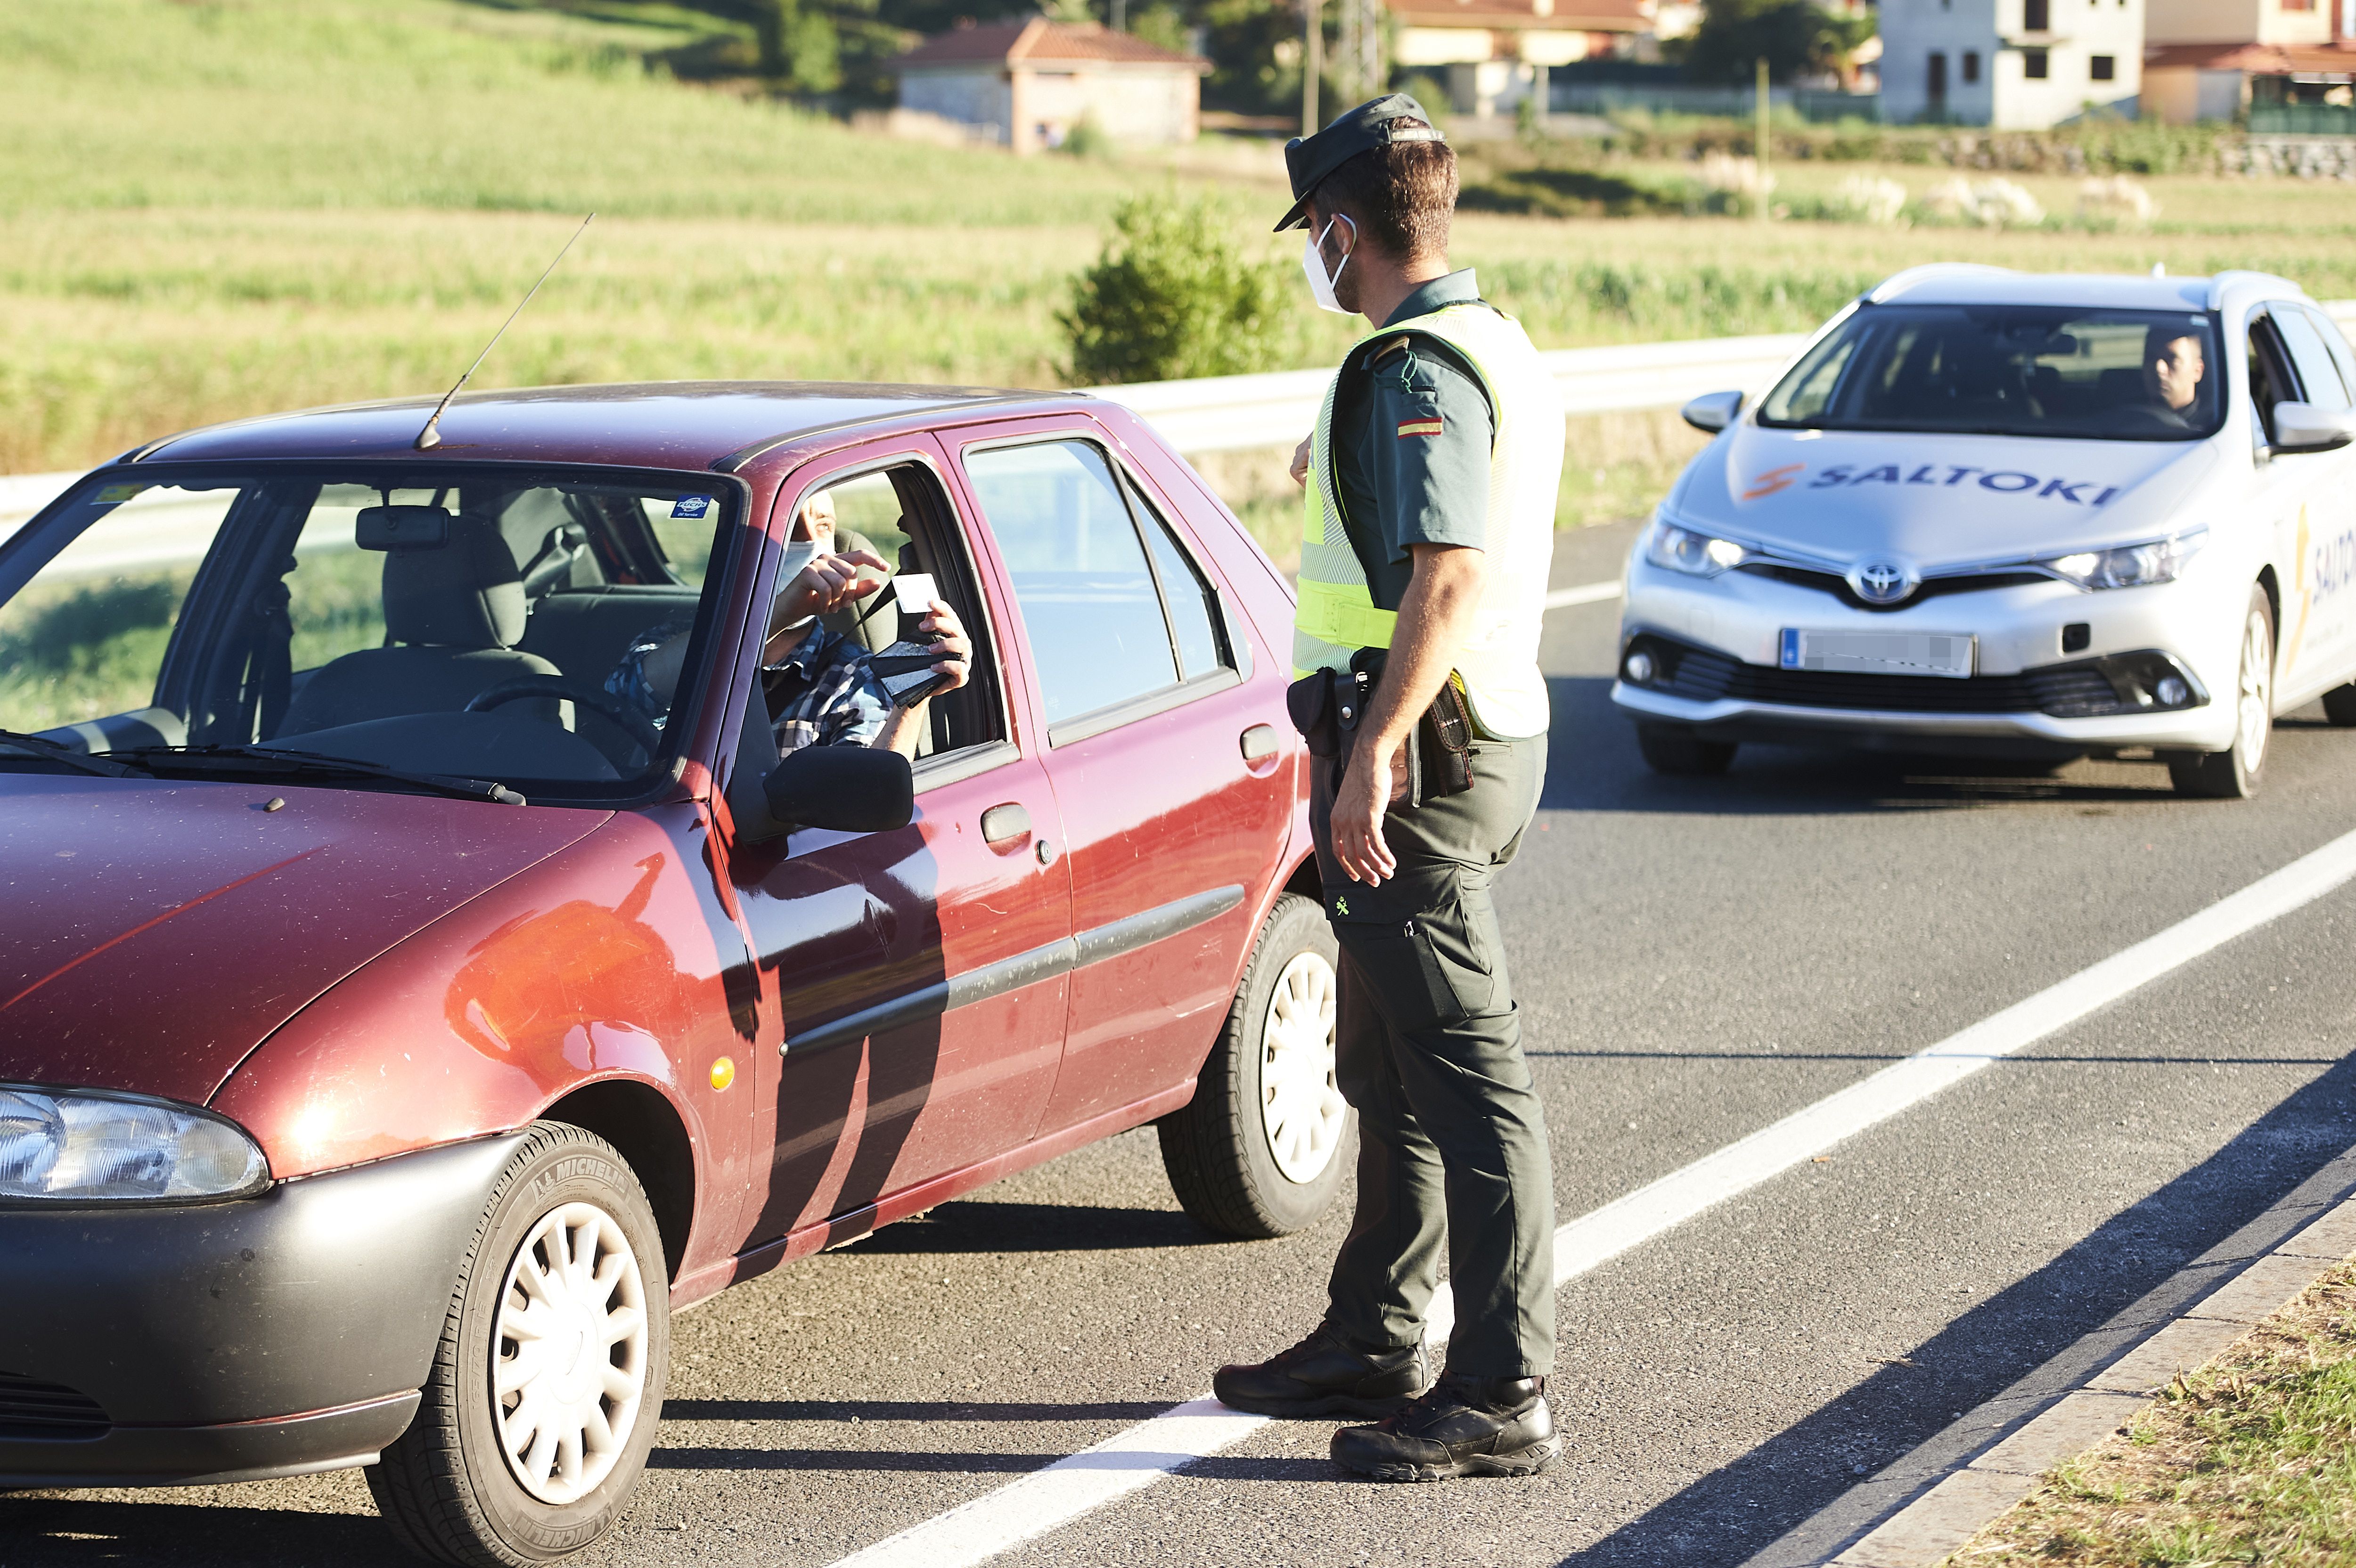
(988,1227)
(1729,1515)
(43,1531)
(864,1410)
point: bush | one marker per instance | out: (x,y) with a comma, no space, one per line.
(1169,298)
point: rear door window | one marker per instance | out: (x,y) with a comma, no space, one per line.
(1078,567)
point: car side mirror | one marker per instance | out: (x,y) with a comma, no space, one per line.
(1712,411)
(845,789)
(2303,426)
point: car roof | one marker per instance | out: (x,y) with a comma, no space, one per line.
(1965,283)
(647,424)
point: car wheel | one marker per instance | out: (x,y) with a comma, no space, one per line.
(1680,752)
(2233,774)
(548,1382)
(1259,1151)
(2340,706)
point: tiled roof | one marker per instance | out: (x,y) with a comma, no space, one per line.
(1557,15)
(2257,60)
(1038,42)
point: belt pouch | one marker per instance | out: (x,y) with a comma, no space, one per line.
(1309,701)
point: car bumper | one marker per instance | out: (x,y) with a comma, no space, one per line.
(271,1336)
(2019,631)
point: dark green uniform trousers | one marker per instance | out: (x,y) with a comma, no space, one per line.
(1452,1141)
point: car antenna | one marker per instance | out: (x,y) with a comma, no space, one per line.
(431,437)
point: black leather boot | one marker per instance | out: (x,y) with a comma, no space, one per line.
(1463,1426)
(1323,1375)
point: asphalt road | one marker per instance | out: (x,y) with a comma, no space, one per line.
(1695,960)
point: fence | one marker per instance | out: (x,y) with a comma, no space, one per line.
(2302,120)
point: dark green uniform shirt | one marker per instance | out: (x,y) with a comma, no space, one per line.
(1412,463)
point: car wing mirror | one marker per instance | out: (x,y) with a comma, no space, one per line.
(845,789)
(2303,426)
(1712,411)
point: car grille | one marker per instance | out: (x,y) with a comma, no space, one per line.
(1703,675)
(1930,588)
(32,1409)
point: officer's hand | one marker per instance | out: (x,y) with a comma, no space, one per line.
(1368,787)
(951,642)
(1300,462)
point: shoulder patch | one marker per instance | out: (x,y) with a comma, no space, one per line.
(1428,425)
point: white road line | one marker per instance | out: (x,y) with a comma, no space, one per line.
(1136,1458)
(1585,593)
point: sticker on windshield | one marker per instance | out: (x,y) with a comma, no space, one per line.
(111,494)
(690,506)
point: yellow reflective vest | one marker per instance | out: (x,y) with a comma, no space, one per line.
(1498,664)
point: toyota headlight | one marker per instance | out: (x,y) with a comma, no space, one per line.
(1698,555)
(77,1145)
(2129,566)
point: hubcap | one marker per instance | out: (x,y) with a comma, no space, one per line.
(2256,693)
(569,1353)
(1301,1106)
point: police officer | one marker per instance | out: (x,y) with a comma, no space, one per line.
(1431,478)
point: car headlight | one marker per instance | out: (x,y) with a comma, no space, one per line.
(70,1145)
(1698,555)
(2129,566)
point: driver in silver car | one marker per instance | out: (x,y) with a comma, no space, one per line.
(821,687)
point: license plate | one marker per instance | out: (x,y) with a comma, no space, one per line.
(1880,653)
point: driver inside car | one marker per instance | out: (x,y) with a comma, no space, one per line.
(2172,368)
(821,686)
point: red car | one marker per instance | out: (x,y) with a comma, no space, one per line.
(399,1019)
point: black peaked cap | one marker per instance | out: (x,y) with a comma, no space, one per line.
(1374,123)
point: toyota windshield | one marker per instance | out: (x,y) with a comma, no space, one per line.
(2026,370)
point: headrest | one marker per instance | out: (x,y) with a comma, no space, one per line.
(467,595)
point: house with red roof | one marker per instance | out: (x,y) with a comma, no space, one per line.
(2214,60)
(1028,84)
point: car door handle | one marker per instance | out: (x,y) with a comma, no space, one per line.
(1003,826)
(1260,743)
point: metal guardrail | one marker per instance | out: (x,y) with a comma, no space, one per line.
(1239,413)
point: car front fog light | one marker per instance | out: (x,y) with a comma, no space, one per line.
(69,1146)
(1639,668)
(2171,691)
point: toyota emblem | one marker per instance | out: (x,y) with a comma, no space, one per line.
(1883,581)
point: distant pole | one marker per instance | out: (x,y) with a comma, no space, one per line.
(1761,138)
(1313,62)
(1121,16)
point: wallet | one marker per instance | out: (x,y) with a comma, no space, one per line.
(906,670)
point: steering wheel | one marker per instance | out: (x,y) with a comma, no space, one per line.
(580,692)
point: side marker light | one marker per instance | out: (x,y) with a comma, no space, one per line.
(724,1071)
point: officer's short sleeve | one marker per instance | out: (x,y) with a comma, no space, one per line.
(1431,444)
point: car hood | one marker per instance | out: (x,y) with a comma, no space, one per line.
(1938,500)
(153,932)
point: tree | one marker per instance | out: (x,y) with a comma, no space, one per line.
(1171,296)
(1794,37)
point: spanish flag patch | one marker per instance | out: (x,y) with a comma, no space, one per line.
(1420,427)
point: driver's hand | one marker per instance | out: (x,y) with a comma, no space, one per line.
(1300,462)
(951,642)
(829,583)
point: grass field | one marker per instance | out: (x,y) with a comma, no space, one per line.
(273,202)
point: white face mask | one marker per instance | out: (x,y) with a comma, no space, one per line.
(1321,287)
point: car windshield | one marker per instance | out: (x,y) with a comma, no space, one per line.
(363,626)
(2031,370)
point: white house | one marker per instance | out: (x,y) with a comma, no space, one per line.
(2011,65)
(1496,52)
(1026,84)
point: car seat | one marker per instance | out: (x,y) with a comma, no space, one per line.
(455,614)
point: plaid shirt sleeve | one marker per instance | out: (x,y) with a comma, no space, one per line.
(841,701)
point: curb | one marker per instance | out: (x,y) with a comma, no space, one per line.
(1945,1491)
